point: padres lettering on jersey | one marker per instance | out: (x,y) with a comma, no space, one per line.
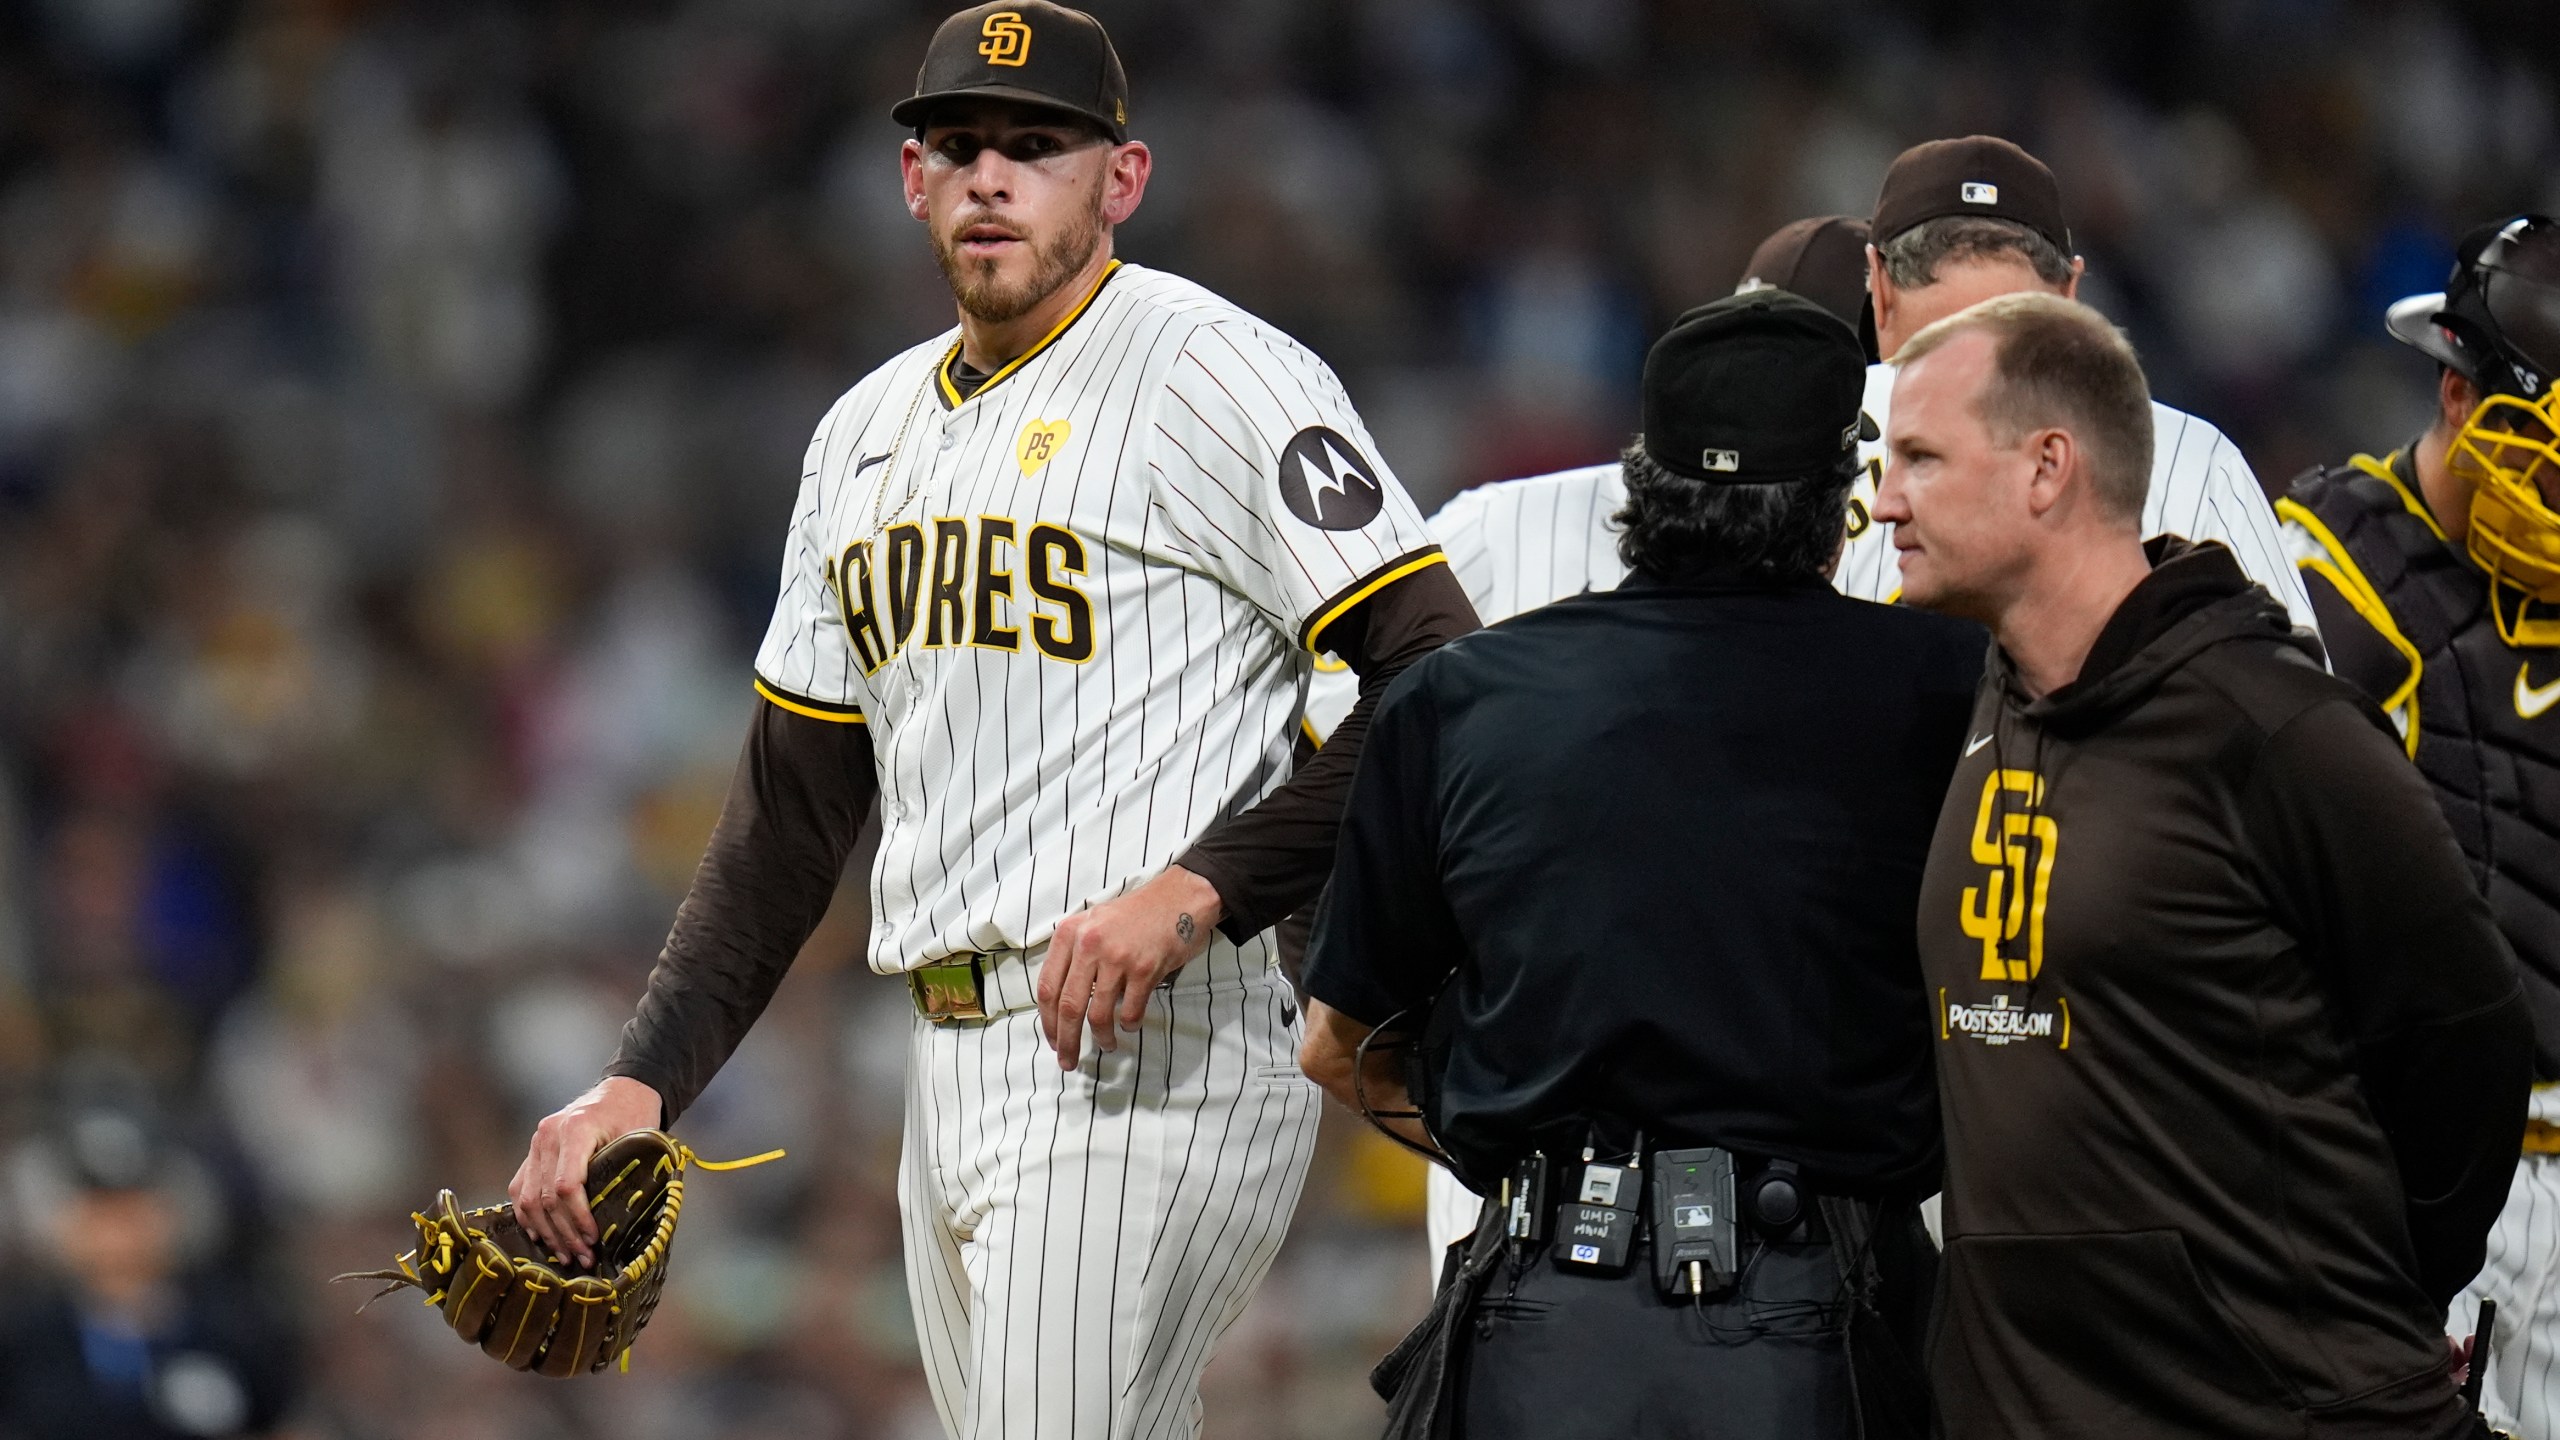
(2201,488)
(961,584)
(1076,608)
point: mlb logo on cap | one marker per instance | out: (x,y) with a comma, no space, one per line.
(1725,460)
(1972,175)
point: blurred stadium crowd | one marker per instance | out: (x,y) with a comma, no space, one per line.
(399,404)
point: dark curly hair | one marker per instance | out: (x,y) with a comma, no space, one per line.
(1675,527)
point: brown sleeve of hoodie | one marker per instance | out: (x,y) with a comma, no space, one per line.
(1273,858)
(2367,876)
(801,792)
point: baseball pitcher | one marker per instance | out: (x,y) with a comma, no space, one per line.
(1051,595)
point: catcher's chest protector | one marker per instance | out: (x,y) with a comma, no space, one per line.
(2494,767)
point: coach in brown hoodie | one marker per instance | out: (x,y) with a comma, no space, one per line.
(2233,1060)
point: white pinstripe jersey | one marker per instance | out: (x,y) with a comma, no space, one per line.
(1076,607)
(2201,488)
(1514,545)
(1519,544)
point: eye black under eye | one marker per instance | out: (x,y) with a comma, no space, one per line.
(964,149)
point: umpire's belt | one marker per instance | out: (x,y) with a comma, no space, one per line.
(974,987)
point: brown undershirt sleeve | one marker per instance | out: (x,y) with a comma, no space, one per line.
(802,790)
(1273,858)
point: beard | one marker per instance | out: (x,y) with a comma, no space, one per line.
(979,284)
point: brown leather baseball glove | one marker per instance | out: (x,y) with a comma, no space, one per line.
(501,1291)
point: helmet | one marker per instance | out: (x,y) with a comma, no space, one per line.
(2497,324)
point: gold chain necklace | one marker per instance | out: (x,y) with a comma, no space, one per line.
(889,467)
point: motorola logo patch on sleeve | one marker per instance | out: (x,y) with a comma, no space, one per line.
(1327,482)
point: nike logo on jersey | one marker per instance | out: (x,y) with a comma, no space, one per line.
(867,461)
(2532,700)
(1976,743)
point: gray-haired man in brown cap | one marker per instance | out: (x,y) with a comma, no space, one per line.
(1960,221)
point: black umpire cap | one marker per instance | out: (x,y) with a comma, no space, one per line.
(1028,51)
(1754,388)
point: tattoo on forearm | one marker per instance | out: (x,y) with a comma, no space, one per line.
(1183,927)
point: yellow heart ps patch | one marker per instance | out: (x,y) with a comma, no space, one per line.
(1040,443)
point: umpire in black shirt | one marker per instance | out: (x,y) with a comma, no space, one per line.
(1649,860)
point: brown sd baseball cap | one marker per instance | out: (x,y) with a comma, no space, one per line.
(1028,51)
(1977,175)
(1822,258)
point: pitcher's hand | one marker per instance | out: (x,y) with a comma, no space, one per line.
(550,1188)
(1103,962)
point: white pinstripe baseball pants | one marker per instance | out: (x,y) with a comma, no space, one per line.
(2522,1273)
(1076,1243)
(1449,1216)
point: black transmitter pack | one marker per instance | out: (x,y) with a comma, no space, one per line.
(1524,1201)
(1596,1229)
(1697,1237)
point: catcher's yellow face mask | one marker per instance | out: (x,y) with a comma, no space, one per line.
(2510,450)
